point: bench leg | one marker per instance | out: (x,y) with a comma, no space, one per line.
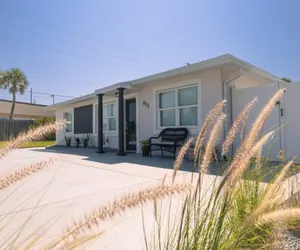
(150,152)
(162,152)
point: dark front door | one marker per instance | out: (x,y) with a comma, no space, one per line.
(131,124)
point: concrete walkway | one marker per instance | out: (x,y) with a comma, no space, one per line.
(80,181)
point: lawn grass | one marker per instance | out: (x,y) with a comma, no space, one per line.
(33,144)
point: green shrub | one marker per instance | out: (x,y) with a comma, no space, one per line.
(68,140)
(85,140)
(42,122)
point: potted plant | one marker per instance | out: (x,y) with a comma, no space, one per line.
(145,147)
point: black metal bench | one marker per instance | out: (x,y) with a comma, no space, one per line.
(170,140)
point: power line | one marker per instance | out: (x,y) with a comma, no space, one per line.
(84,47)
(40,93)
(33,92)
(43,24)
(66,52)
(48,96)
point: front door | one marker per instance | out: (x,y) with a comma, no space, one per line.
(130,124)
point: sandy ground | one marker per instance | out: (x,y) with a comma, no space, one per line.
(78,182)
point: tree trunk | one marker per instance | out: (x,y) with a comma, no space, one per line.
(13,106)
(10,127)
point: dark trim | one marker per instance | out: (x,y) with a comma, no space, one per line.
(25,103)
(121,121)
(83,119)
(130,125)
(100,123)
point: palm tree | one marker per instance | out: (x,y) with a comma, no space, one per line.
(16,82)
(286,79)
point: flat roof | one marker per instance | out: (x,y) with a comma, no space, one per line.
(206,64)
(24,103)
(203,65)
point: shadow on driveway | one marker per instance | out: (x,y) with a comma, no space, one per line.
(110,157)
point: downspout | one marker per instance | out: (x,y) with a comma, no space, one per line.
(224,88)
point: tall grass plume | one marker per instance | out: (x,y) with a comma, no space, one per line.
(180,156)
(8,180)
(211,117)
(239,121)
(32,135)
(119,206)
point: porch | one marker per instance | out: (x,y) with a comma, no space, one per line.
(126,124)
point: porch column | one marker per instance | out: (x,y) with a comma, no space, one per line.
(121,121)
(100,123)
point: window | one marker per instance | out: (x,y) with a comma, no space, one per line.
(178,107)
(109,117)
(68,118)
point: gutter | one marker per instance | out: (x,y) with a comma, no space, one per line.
(224,88)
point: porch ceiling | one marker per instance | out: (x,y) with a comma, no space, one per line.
(111,90)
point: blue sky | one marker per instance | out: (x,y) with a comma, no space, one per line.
(73,47)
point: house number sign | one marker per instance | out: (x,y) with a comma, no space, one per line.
(146,104)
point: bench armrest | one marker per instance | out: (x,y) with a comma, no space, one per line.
(153,137)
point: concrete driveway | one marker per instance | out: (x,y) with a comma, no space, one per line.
(80,181)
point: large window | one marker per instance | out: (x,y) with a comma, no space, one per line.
(178,107)
(109,117)
(68,118)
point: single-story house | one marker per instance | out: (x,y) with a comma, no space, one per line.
(130,111)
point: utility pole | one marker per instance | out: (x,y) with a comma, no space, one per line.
(53,97)
(31,95)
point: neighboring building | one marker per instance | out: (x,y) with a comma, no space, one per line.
(24,110)
(138,109)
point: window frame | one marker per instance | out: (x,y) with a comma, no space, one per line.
(72,113)
(105,118)
(176,107)
(111,117)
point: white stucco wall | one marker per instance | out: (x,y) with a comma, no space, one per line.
(291,121)
(111,138)
(242,96)
(60,134)
(286,123)
(209,93)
